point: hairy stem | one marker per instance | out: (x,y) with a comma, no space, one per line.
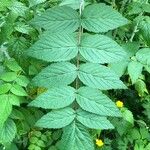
(79,42)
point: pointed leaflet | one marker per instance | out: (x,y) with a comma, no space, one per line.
(101,18)
(54,47)
(5,108)
(94,101)
(57,118)
(57,74)
(98,76)
(93,121)
(8,132)
(76,137)
(143,55)
(100,49)
(55,98)
(58,19)
(134,70)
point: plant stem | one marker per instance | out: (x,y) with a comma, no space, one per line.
(79,41)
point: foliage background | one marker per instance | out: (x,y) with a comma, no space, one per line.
(17,35)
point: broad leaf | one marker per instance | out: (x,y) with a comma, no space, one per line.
(96,102)
(56,47)
(57,118)
(134,70)
(58,19)
(76,137)
(55,98)
(8,132)
(57,74)
(101,49)
(101,18)
(93,121)
(143,55)
(5,108)
(98,76)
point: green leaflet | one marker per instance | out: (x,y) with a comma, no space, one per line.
(57,74)
(55,98)
(57,118)
(8,76)
(96,102)
(76,137)
(134,70)
(5,108)
(144,27)
(93,121)
(98,76)
(101,18)
(56,47)
(18,90)
(35,2)
(8,132)
(143,55)
(58,19)
(4,88)
(101,49)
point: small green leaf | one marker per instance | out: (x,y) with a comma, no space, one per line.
(22,80)
(55,98)
(5,108)
(13,65)
(93,121)
(127,115)
(14,100)
(101,18)
(134,70)
(56,75)
(8,76)
(18,90)
(4,88)
(57,118)
(96,102)
(35,2)
(8,132)
(98,76)
(76,137)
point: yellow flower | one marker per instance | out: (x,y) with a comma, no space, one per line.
(119,104)
(99,143)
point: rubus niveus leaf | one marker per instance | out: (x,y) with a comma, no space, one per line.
(101,18)
(55,47)
(93,121)
(57,118)
(57,74)
(100,49)
(55,98)
(98,76)
(58,19)
(76,137)
(96,102)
